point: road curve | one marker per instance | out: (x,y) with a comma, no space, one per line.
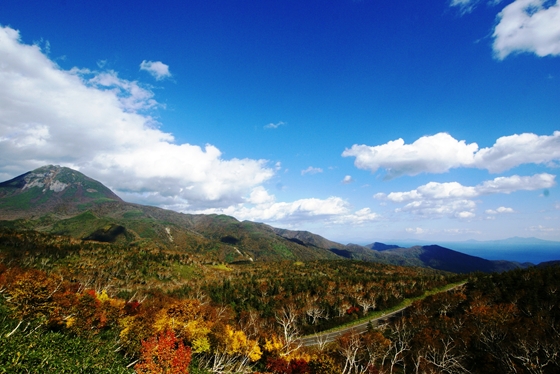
(323,338)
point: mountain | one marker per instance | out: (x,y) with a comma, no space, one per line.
(523,250)
(61,201)
(432,256)
(442,258)
(50,189)
(381,247)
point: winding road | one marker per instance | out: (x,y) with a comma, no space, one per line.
(327,337)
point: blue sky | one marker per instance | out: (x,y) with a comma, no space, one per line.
(361,120)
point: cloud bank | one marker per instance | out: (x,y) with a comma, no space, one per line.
(455,200)
(262,207)
(441,152)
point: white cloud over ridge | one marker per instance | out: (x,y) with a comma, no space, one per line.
(98,123)
(331,211)
(441,152)
(157,69)
(528,26)
(455,200)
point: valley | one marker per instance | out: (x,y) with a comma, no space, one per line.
(159,290)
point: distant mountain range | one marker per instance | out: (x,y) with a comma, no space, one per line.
(62,201)
(518,249)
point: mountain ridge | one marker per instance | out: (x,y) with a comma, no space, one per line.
(63,201)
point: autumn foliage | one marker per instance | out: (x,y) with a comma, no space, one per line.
(164,354)
(250,318)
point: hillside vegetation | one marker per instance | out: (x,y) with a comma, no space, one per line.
(89,283)
(228,317)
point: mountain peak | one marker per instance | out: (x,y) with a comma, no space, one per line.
(49,188)
(46,178)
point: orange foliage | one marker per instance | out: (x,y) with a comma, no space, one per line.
(164,354)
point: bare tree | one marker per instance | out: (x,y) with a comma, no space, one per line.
(349,345)
(315,312)
(366,303)
(287,319)
(401,336)
(446,358)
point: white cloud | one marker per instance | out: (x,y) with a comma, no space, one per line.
(100,124)
(461,208)
(311,170)
(347,179)
(528,26)
(157,69)
(131,95)
(500,210)
(541,228)
(260,195)
(516,183)
(465,6)
(271,211)
(441,152)
(274,125)
(433,154)
(262,207)
(514,150)
(455,200)
(415,230)
(357,218)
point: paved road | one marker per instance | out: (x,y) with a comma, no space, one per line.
(361,328)
(317,339)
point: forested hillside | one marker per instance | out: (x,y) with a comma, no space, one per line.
(497,323)
(130,301)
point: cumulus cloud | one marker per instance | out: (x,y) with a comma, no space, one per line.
(460,208)
(514,150)
(333,210)
(500,210)
(157,69)
(455,200)
(528,26)
(347,179)
(311,170)
(100,124)
(357,218)
(441,152)
(432,154)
